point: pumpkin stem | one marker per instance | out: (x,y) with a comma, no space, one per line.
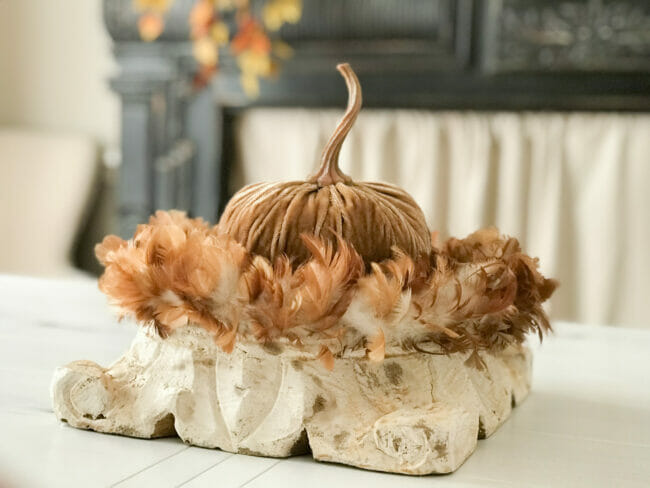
(329,172)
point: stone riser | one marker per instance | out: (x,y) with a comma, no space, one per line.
(414,413)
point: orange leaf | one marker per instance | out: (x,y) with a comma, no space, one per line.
(250,35)
(220,33)
(150,26)
(201,17)
(202,77)
(260,43)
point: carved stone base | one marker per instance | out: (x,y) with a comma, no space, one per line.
(413,413)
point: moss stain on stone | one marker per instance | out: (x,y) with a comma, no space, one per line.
(397,442)
(393,372)
(340,438)
(319,404)
(249,452)
(441,449)
(272,348)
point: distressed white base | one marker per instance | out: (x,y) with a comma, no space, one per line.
(413,413)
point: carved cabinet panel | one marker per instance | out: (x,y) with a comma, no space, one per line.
(578,35)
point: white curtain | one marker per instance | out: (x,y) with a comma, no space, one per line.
(573,187)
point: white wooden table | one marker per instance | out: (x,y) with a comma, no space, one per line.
(586,423)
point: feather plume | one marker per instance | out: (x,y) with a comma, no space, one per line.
(326,358)
(377,347)
(325,282)
(387,289)
(174,271)
(468,295)
(273,302)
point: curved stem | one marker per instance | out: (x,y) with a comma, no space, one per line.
(329,172)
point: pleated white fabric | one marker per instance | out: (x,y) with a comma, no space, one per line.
(573,187)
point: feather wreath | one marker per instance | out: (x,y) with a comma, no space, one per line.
(475,294)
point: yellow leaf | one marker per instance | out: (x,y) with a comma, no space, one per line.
(254,63)
(224,4)
(274,71)
(272,17)
(250,84)
(238,4)
(277,12)
(282,50)
(205,51)
(292,11)
(156,5)
(220,33)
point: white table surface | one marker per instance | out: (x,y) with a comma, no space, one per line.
(586,422)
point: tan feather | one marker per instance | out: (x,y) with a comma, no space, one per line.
(377,347)
(472,294)
(226,340)
(325,282)
(326,358)
(386,290)
(474,360)
(106,249)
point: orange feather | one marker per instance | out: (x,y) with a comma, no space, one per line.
(326,358)
(377,347)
